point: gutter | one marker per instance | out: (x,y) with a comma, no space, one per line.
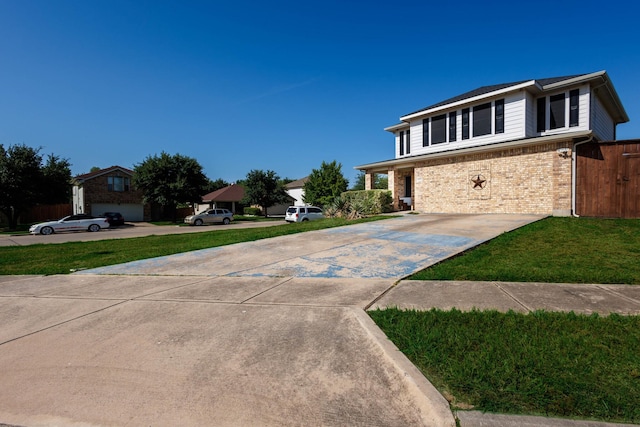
(574,161)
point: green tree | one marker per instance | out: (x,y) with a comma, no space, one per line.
(170,180)
(380,182)
(264,188)
(216,185)
(25,181)
(325,184)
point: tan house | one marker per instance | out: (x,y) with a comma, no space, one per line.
(506,148)
(225,197)
(109,190)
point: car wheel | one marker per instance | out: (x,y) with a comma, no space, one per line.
(46,231)
(197,222)
(226,221)
(305,219)
(94,228)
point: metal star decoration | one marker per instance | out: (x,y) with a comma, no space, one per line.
(479,182)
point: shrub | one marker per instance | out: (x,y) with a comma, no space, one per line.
(360,203)
(252,211)
(369,202)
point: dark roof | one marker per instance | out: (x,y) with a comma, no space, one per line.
(297,184)
(232,193)
(488,89)
(97,173)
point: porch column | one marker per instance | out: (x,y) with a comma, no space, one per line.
(368,181)
(393,187)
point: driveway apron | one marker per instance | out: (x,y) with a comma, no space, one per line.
(268,333)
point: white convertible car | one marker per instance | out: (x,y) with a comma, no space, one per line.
(80,222)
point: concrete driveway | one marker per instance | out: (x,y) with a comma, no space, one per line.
(269,333)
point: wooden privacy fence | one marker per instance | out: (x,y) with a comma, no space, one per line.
(46,213)
(608,179)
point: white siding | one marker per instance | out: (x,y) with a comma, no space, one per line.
(78,199)
(514,127)
(515,109)
(297,194)
(530,115)
(603,125)
(583,112)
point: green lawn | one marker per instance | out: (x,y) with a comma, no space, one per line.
(556,364)
(66,257)
(553,250)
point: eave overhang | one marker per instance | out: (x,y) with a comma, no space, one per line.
(410,161)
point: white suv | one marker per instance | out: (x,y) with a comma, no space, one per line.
(303,213)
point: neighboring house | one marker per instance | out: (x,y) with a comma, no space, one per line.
(295,189)
(226,197)
(109,190)
(508,148)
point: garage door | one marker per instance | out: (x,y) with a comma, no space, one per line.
(130,211)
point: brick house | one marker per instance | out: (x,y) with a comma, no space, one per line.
(506,148)
(109,190)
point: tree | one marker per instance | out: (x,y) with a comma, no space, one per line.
(216,185)
(264,189)
(380,182)
(325,184)
(25,181)
(170,180)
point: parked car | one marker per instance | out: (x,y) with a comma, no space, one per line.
(114,218)
(80,222)
(303,213)
(212,216)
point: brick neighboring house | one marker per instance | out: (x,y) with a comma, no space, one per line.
(109,190)
(513,148)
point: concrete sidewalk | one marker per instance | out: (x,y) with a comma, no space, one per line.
(269,333)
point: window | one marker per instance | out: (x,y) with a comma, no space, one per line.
(407,142)
(482,119)
(542,114)
(439,129)
(499,120)
(452,126)
(556,111)
(425,132)
(117,183)
(573,107)
(465,123)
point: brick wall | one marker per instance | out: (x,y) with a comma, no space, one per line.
(534,179)
(96,190)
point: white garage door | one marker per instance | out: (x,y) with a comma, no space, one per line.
(130,211)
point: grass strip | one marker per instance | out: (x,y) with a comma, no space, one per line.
(553,250)
(543,363)
(66,257)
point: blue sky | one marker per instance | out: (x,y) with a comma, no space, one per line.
(279,85)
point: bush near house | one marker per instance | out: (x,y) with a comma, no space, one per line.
(360,203)
(252,211)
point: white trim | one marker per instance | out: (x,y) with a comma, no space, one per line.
(410,161)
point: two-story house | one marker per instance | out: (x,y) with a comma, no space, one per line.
(506,148)
(109,190)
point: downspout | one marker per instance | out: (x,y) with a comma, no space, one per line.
(574,161)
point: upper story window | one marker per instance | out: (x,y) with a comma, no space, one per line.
(465,123)
(552,111)
(482,119)
(453,129)
(404,142)
(499,116)
(439,129)
(479,120)
(118,183)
